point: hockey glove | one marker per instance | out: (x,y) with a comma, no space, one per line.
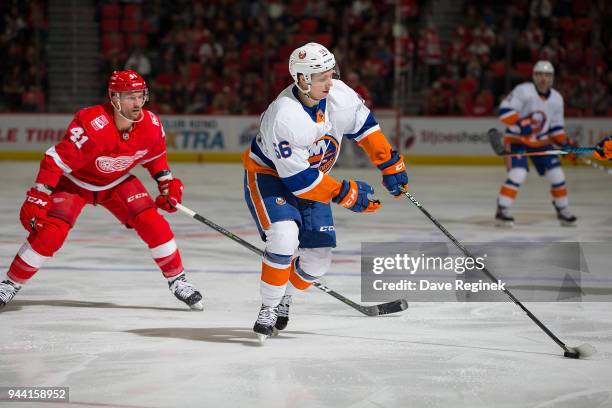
(34,209)
(603,150)
(525,126)
(171,194)
(573,157)
(394,174)
(354,196)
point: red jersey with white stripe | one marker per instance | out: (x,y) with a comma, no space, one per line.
(96,156)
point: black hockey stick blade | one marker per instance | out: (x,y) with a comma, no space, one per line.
(392,307)
(496,141)
(374,310)
(384,308)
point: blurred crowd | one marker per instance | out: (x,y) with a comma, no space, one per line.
(481,64)
(230,56)
(23,32)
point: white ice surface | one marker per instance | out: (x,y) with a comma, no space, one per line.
(98,318)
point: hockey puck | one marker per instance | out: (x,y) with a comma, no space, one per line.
(574,354)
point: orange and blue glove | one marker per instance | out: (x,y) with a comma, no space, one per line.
(573,157)
(394,174)
(354,196)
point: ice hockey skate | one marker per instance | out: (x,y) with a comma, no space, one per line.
(565,216)
(282,311)
(186,292)
(264,326)
(503,219)
(8,290)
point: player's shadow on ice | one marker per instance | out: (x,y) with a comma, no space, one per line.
(20,304)
(235,335)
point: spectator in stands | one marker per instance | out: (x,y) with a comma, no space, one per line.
(484,32)
(533,35)
(139,62)
(430,53)
(226,43)
(480,50)
(482,104)
(353,80)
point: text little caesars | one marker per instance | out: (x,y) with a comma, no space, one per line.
(427,263)
(424,284)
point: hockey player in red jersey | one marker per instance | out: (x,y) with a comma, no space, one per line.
(91,165)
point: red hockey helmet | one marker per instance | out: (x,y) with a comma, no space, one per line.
(126,81)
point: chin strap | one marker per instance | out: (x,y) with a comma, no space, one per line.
(306,93)
(118,110)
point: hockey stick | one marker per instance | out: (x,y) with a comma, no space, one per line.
(596,165)
(496,140)
(584,350)
(375,310)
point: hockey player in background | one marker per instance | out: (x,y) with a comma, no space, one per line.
(533,114)
(603,150)
(91,165)
(287,184)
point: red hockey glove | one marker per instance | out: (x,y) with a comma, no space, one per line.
(34,209)
(171,194)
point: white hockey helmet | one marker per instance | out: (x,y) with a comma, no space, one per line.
(311,58)
(543,83)
(544,66)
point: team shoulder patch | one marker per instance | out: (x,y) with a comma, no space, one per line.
(99,123)
(154,119)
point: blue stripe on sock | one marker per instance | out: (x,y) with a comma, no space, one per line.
(512,183)
(277,258)
(304,275)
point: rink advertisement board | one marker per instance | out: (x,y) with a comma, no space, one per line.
(184,133)
(439,272)
(431,136)
(225,137)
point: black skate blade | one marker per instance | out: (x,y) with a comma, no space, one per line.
(385,308)
(504,224)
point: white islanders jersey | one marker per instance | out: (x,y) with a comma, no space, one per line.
(301,144)
(545,115)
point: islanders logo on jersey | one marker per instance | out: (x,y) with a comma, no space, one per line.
(538,121)
(323,153)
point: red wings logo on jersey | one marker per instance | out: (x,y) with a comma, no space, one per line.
(114,164)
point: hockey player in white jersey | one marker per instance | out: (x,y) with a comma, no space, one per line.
(287,184)
(533,114)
